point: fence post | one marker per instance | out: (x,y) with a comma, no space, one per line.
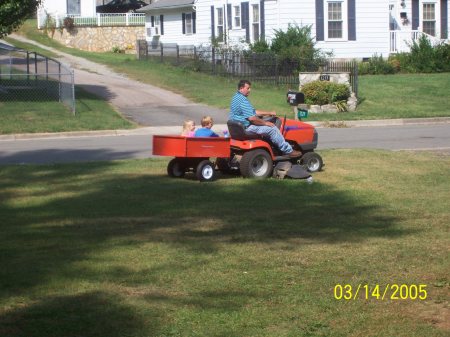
(213,60)
(178,54)
(127,19)
(99,22)
(162,52)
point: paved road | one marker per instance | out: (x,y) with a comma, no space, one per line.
(435,137)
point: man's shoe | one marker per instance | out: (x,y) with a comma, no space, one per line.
(294,154)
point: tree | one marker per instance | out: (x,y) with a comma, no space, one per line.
(14,12)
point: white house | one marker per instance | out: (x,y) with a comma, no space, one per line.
(85,8)
(348,28)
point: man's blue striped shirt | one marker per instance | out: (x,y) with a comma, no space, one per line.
(241,109)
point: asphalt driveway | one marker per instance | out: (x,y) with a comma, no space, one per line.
(142,103)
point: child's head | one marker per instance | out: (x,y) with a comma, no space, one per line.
(207,122)
(188,125)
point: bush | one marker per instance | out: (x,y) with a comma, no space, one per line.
(377,65)
(69,23)
(425,58)
(324,92)
(295,46)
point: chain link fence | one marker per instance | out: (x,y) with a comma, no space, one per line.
(267,68)
(29,76)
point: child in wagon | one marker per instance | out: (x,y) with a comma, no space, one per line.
(205,130)
(188,128)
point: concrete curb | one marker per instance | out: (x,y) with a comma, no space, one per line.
(163,130)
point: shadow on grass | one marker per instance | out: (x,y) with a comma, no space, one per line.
(67,214)
(89,314)
(63,156)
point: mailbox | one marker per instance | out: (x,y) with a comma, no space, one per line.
(295,98)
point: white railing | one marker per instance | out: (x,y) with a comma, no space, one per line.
(401,41)
(101,19)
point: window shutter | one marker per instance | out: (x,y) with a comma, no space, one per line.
(262,20)
(213,34)
(183,23)
(152,19)
(319,21)
(351,20)
(244,20)
(161,20)
(229,16)
(415,15)
(194,20)
(444,19)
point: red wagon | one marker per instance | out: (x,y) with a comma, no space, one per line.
(192,154)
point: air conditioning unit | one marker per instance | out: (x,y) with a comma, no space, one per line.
(153,31)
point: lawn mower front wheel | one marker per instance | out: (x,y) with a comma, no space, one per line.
(311,161)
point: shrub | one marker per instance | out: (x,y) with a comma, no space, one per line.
(425,58)
(295,46)
(324,92)
(69,23)
(376,65)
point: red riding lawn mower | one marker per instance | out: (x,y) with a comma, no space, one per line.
(244,153)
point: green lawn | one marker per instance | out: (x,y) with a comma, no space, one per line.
(34,115)
(120,249)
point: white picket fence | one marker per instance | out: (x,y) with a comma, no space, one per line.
(101,19)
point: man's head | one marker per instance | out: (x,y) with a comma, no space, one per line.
(244,87)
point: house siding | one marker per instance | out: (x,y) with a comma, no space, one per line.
(371,34)
(87,7)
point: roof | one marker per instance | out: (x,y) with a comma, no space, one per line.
(163,4)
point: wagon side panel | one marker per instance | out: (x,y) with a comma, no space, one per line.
(174,146)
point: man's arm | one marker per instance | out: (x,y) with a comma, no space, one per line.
(265,113)
(255,120)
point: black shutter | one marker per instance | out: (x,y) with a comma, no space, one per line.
(161,20)
(351,20)
(262,20)
(194,20)
(415,15)
(444,19)
(183,23)
(244,20)
(213,34)
(229,16)
(152,19)
(320,36)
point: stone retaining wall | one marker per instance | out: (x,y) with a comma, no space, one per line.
(335,77)
(101,39)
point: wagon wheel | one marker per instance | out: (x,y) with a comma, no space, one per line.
(205,171)
(175,168)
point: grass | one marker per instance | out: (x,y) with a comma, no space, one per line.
(381,96)
(120,249)
(33,115)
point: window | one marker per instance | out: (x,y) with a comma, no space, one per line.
(237,16)
(255,23)
(335,20)
(219,24)
(156,25)
(188,23)
(429,19)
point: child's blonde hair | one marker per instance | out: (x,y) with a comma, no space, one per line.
(207,120)
(187,125)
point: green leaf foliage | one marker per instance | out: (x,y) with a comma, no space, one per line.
(14,12)
(324,92)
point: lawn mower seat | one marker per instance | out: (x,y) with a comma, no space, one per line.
(237,131)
